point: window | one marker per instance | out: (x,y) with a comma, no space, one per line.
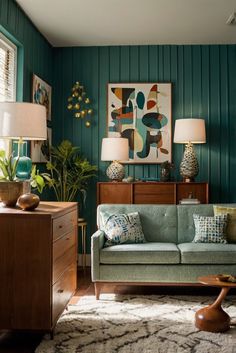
(8,60)
(8,55)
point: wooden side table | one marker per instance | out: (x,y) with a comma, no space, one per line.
(82,224)
(213,318)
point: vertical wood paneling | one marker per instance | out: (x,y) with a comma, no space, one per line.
(232,117)
(204,85)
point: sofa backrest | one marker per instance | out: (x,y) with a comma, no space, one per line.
(186,229)
(159,222)
(163,223)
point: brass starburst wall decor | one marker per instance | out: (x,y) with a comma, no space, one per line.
(79,103)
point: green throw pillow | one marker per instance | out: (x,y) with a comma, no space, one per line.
(210,229)
(231,224)
(122,228)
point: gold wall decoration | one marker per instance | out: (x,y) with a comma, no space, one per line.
(79,103)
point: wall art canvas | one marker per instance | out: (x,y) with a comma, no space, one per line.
(42,94)
(40,150)
(141,112)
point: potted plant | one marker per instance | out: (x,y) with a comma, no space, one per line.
(69,172)
(10,186)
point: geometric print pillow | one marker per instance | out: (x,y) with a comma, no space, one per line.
(210,229)
(122,228)
(231,224)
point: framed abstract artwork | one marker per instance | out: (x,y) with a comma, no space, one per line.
(40,150)
(42,94)
(142,113)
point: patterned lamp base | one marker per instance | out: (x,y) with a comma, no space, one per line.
(189,166)
(115,171)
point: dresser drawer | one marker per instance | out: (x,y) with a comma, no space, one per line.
(63,290)
(64,224)
(63,262)
(61,245)
(154,193)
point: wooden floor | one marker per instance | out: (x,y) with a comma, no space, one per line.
(26,342)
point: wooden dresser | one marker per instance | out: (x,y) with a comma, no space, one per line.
(150,192)
(38,264)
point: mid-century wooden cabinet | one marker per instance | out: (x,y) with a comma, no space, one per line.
(38,264)
(150,192)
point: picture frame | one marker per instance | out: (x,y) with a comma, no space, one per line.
(142,112)
(42,94)
(40,150)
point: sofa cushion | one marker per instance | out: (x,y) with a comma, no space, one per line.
(122,228)
(231,224)
(186,229)
(210,229)
(146,253)
(159,222)
(205,253)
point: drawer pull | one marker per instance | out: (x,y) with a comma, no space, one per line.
(60,291)
(60,226)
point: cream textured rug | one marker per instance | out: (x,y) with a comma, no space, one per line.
(138,324)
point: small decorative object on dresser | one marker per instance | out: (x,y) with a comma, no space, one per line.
(28,201)
(115,149)
(189,132)
(165,170)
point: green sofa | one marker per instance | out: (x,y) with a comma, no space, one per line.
(168,257)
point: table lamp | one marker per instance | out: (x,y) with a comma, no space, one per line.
(23,121)
(115,149)
(189,132)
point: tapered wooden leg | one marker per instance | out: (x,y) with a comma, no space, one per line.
(98,287)
(52,334)
(213,318)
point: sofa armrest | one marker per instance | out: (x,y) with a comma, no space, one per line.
(97,243)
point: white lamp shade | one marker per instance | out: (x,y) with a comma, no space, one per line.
(190,130)
(23,120)
(115,149)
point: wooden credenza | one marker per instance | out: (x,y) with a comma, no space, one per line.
(38,264)
(150,192)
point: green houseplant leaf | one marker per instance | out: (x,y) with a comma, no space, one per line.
(69,173)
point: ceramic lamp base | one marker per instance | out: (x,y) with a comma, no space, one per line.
(189,166)
(115,171)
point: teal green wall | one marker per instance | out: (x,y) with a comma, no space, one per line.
(204,85)
(37,52)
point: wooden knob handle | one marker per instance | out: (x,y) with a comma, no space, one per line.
(60,291)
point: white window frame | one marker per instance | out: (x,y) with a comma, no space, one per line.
(5,43)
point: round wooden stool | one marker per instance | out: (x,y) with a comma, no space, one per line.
(83,225)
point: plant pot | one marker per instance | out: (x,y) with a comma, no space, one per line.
(11,190)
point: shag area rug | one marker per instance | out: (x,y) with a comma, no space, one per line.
(138,324)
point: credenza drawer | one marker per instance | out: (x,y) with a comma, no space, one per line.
(63,290)
(149,193)
(61,245)
(64,224)
(63,262)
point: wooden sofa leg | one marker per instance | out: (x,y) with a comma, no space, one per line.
(98,287)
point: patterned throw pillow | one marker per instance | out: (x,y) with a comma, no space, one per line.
(122,228)
(210,229)
(231,225)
